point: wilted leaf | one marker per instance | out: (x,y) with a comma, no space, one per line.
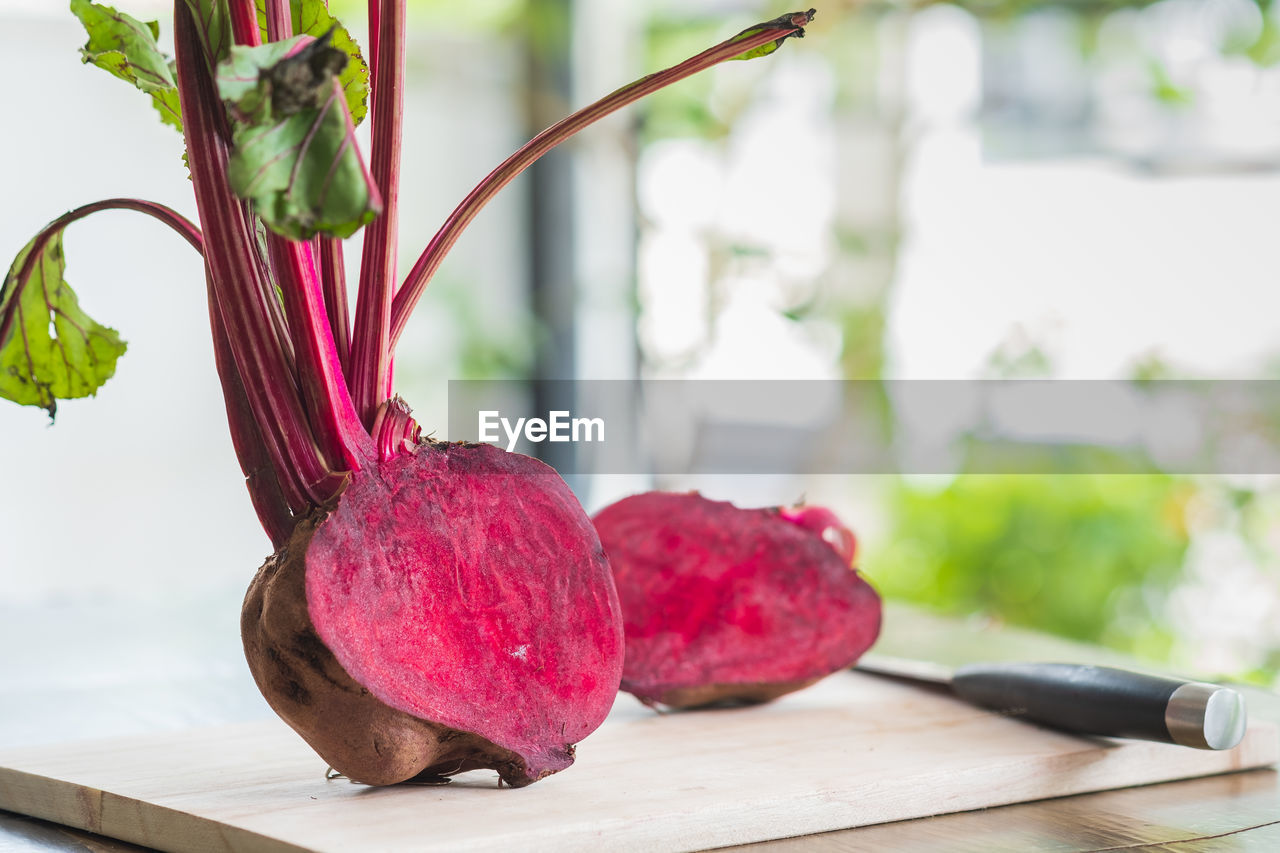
(240,81)
(312,18)
(294,150)
(792,19)
(50,349)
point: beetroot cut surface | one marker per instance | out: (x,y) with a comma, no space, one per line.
(453,611)
(728,605)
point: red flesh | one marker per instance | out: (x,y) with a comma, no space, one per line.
(722,604)
(463,586)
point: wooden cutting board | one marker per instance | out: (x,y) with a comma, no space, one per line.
(851,751)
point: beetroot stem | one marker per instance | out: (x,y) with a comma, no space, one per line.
(338,431)
(415,283)
(244,22)
(179,223)
(279,20)
(242,294)
(333,416)
(370,361)
(245,31)
(333,279)
(265,491)
(333,270)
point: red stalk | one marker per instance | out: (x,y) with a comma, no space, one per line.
(242,296)
(279,20)
(261,478)
(337,430)
(333,279)
(333,273)
(244,22)
(394,429)
(179,223)
(415,283)
(370,361)
(245,31)
(332,415)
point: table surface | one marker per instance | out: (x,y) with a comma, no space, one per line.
(1240,811)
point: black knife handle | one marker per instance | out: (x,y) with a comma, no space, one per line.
(1099,700)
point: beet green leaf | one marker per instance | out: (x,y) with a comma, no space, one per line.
(126,47)
(49,348)
(312,18)
(294,151)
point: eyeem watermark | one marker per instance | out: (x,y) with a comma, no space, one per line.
(559,426)
(997,426)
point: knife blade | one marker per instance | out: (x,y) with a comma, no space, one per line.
(1094,700)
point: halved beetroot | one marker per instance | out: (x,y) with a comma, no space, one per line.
(452,611)
(727,605)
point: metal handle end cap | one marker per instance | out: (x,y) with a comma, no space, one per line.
(1206,716)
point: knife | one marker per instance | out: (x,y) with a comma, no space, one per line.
(1094,700)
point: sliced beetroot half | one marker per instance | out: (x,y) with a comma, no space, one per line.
(723,605)
(452,611)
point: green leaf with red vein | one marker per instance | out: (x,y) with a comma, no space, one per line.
(312,18)
(294,151)
(50,350)
(126,48)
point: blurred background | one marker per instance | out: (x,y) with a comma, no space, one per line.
(1082,190)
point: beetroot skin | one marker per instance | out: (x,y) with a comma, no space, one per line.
(452,611)
(726,605)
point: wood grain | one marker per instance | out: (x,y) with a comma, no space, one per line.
(1216,814)
(851,751)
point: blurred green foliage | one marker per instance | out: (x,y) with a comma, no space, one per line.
(1088,557)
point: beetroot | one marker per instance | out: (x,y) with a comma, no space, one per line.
(429,608)
(452,612)
(726,605)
